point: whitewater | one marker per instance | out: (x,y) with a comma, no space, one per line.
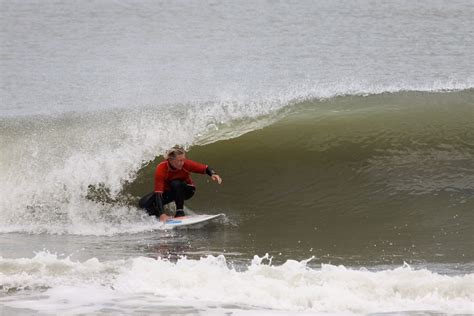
(212,286)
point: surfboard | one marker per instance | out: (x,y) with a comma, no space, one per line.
(190,220)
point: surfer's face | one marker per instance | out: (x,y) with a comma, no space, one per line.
(177,162)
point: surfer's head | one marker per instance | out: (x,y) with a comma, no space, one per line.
(176,157)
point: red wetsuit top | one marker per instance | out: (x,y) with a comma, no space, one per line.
(164,174)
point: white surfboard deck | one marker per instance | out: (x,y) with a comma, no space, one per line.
(189,220)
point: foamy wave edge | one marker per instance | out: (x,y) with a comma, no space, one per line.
(71,286)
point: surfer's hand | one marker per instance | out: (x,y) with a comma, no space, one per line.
(216,177)
(164,218)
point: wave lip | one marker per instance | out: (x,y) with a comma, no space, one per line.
(212,282)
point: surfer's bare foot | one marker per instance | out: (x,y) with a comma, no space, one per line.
(164,217)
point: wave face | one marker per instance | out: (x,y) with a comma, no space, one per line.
(389,165)
(389,173)
(394,171)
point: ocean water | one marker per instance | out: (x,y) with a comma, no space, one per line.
(343,131)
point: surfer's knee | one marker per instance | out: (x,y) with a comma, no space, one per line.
(189,192)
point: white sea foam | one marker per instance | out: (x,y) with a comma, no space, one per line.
(212,283)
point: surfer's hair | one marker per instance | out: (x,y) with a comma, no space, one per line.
(175,151)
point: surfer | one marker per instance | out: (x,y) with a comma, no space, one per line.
(173,183)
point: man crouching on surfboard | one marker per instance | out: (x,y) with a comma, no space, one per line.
(173,183)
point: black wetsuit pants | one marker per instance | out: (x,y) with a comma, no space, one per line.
(179,192)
